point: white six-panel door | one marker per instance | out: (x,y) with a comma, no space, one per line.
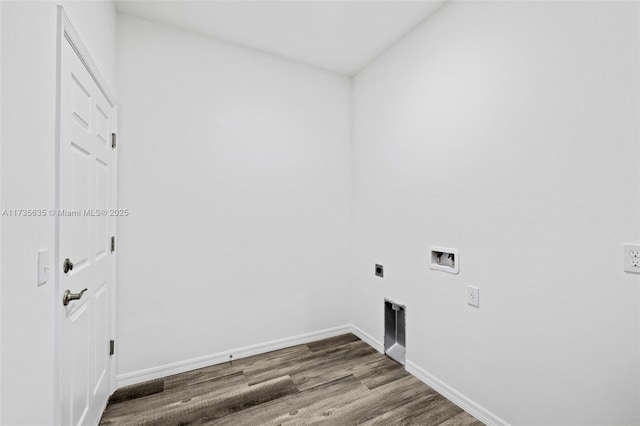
(86,187)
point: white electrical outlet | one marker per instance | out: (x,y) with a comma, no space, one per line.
(473,296)
(632,258)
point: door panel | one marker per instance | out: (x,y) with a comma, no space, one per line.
(86,189)
(80,101)
(103,129)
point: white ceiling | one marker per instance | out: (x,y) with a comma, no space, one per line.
(340,36)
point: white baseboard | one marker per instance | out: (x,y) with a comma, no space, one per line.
(453,395)
(218,358)
(468,405)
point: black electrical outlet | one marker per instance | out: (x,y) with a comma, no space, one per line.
(379,270)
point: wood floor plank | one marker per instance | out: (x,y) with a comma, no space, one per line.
(271,361)
(330,369)
(304,366)
(137,391)
(276,412)
(402,412)
(436,415)
(373,404)
(193,377)
(332,342)
(337,381)
(211,405)
(379,371)
(213,387)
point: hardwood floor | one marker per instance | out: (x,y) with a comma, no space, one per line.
(336,381)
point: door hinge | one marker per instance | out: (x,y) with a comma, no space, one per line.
(112,347)
(113,140)
(113,244)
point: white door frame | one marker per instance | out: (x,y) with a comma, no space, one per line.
(67,33)
(0,210)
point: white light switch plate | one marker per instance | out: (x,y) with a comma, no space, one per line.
(473,296)
(632,258)
(43,266)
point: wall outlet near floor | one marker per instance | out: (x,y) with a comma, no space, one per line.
(632,258)
(473,296)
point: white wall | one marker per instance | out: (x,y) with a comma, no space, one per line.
(235,166)
(27,177)
(507,130)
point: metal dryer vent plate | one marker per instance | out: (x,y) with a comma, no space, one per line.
(394,331)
